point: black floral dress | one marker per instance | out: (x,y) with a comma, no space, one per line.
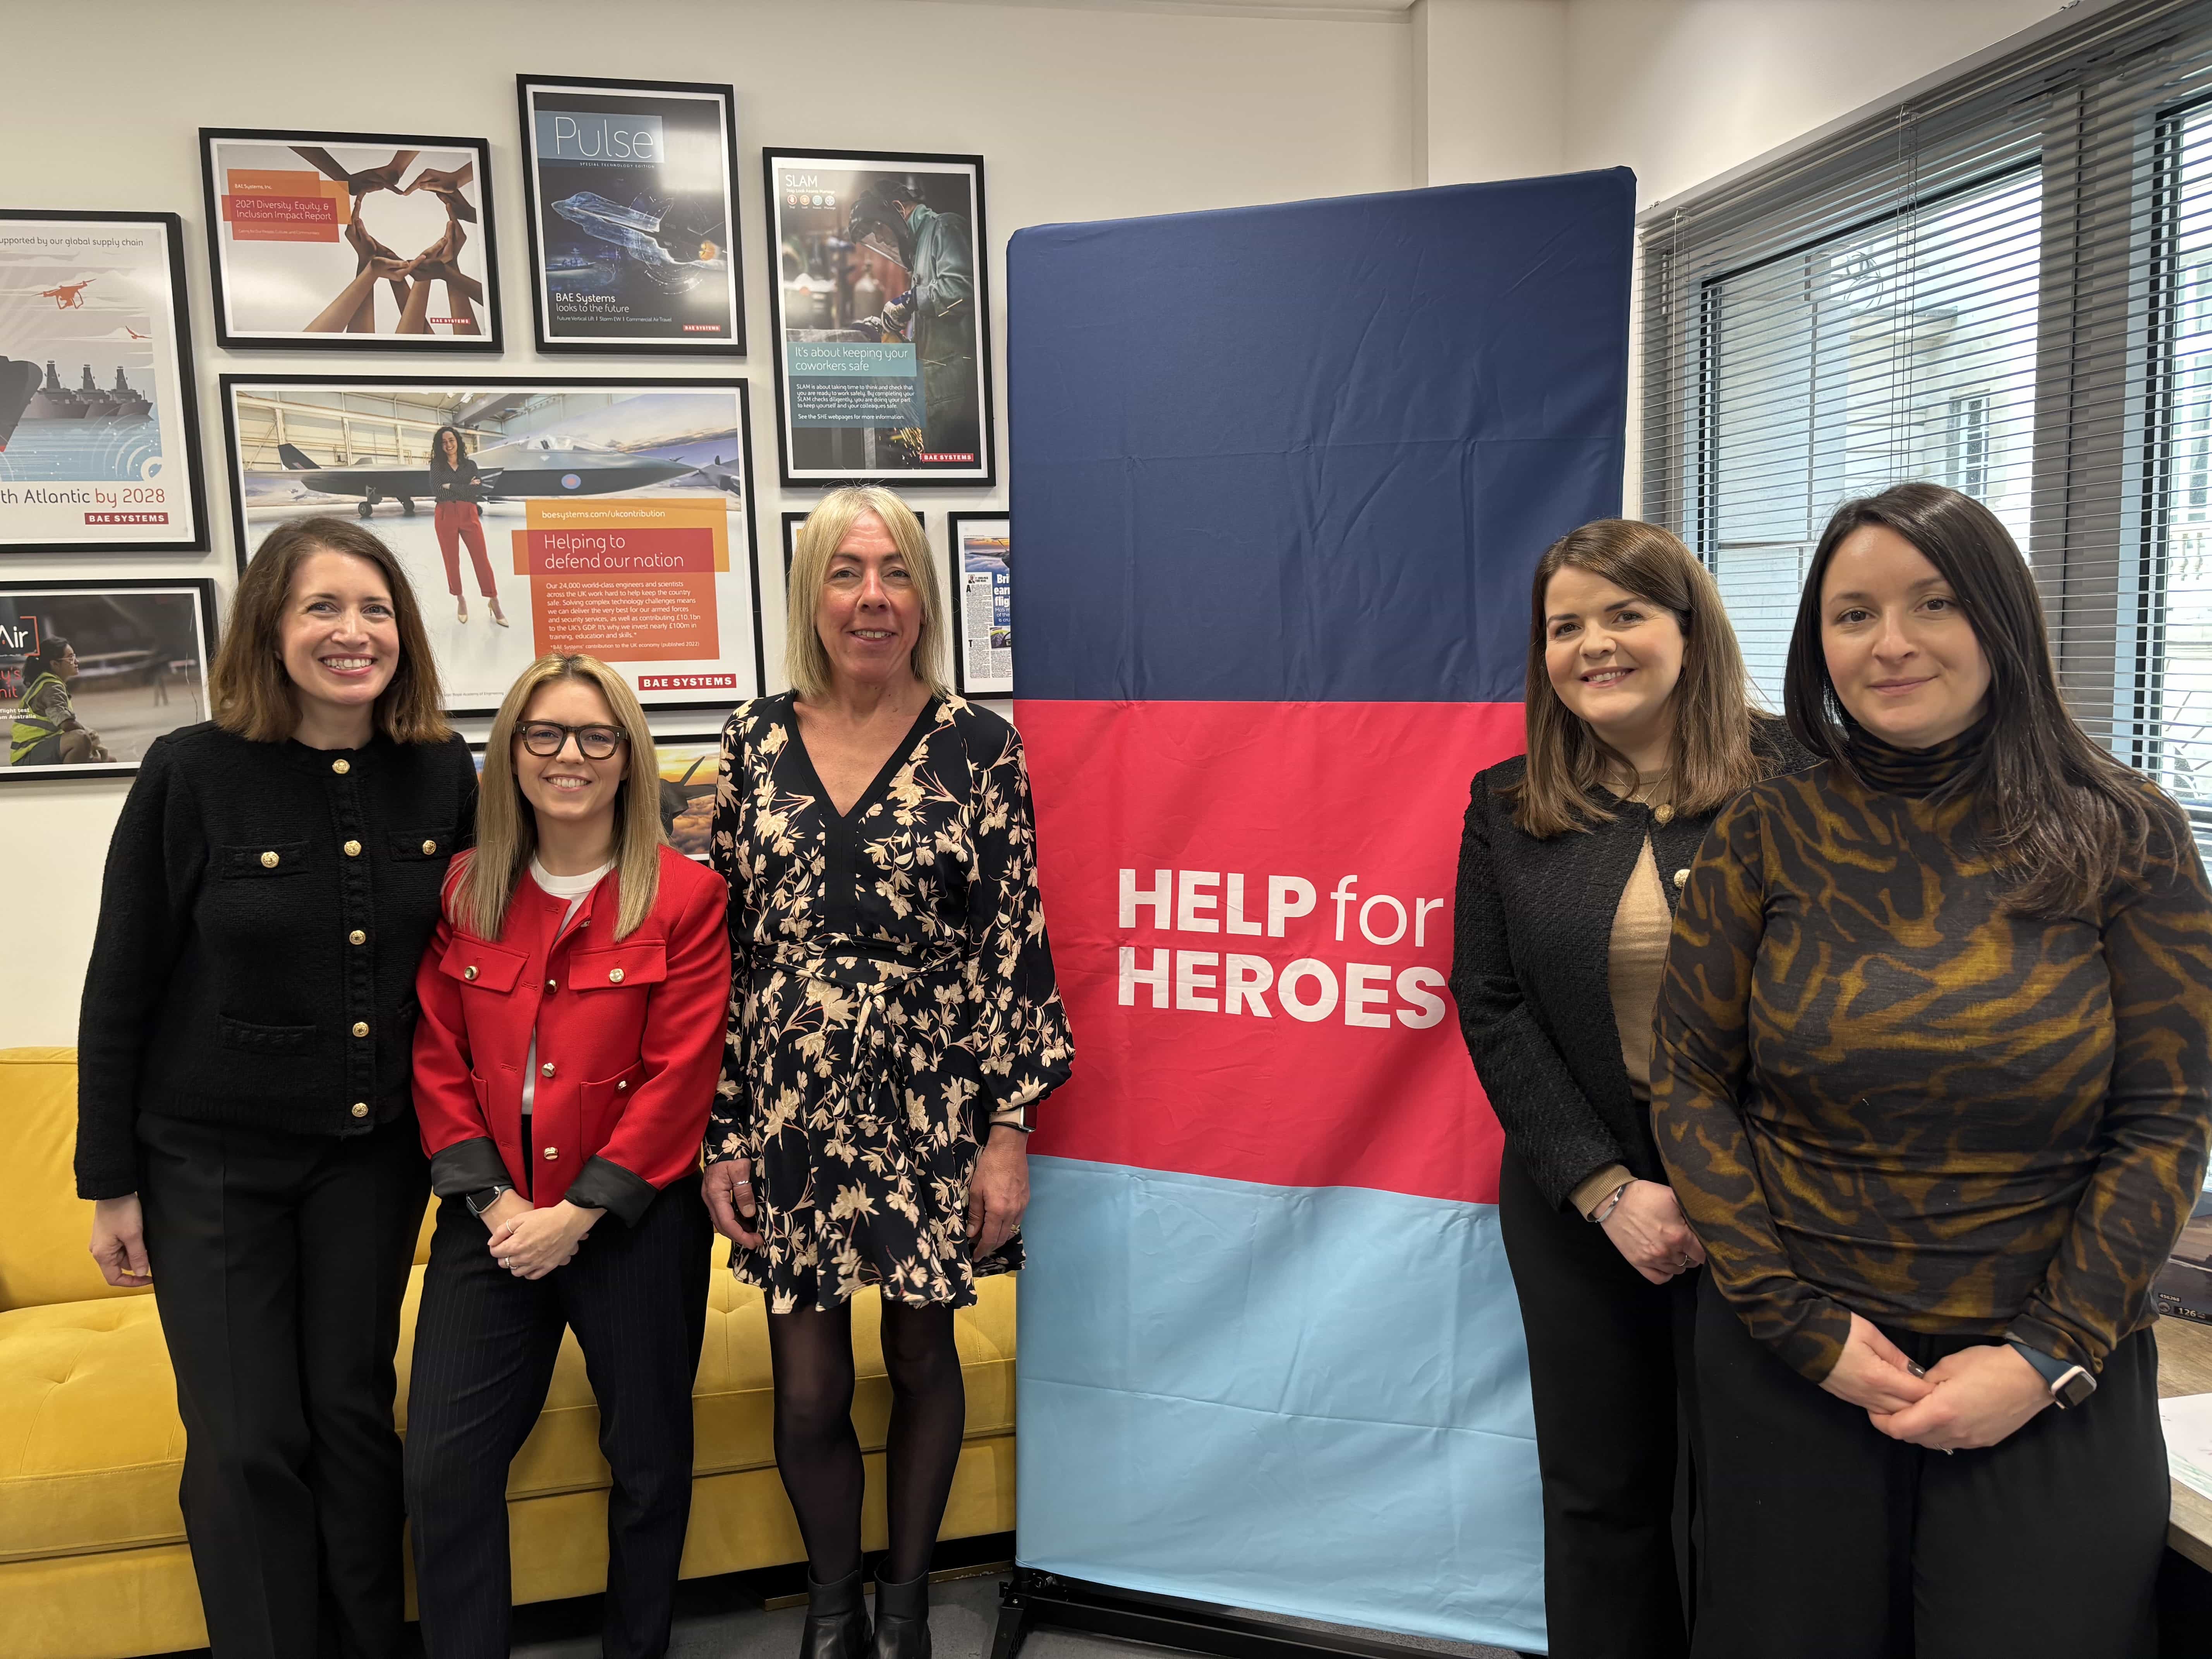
(891,995)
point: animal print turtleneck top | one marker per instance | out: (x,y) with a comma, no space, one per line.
(1876,1092)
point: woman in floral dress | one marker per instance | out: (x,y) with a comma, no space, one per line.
(893,1021)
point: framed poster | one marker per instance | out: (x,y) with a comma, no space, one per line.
(350,240)
(633,214)
(99,438)
(91,672)
(687,770)
(613,517)
(883,318)
(792,520)
(980,549)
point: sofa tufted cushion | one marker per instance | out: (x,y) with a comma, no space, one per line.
(91,1447)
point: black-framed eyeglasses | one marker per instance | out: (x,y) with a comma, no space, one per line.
(546,738)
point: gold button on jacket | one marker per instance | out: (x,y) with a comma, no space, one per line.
(341,767)
(428,847)
(353,849)
(546,1070)
(552,1155)
(361,1028)
(615,974)
(1681,878)
(270,860)
(468,973)
(357,936)
(361,1108)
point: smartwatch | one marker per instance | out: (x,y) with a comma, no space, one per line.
(2070,1384)
(483,1198)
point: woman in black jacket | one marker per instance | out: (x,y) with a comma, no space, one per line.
(244,1124)
(1639,730)
(459,486)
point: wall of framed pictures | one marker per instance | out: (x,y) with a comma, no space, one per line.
(469,199)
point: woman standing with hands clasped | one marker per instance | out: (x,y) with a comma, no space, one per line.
(1638,731)
(1933,1087)
(569,1045)
(243,1108)
(893,1021)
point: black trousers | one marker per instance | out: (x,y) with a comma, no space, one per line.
(1609,1356)
(485,1342)
(279,1265)
(1827,1539)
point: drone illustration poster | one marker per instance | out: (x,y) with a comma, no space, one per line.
(883,318)
(612,517)
(632,215)
(98,444)
(362,240)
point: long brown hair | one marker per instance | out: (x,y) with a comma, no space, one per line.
(252,693)
(507,825)
(1711,758)
(2062,816)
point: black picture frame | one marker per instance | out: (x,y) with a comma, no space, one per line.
(898,477)
(202,590)
(185,378)
(230,384)
(486,236)
(792,520)
(674,345)
(963,673)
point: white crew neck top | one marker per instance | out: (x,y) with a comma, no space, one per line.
(576,889)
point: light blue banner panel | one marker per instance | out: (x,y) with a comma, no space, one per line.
(1272,1347)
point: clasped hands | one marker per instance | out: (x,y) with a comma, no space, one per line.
(1971,1399)
(529,1242)
(997,1193)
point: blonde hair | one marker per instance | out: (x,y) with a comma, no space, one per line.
(506,827)
(805,660)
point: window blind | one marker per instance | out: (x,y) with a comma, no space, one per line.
(2004,285)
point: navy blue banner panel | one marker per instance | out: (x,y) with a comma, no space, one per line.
(1281,476)
(1341,425)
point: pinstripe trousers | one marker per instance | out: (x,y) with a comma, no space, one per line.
(485,1342)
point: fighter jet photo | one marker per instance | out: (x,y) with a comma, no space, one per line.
(642,234)
(505,472)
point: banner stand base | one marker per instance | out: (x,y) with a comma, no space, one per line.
(1031,1599)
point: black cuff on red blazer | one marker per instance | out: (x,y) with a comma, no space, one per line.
(468,1166)
(600,1185)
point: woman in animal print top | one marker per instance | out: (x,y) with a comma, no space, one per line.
(1932,1087)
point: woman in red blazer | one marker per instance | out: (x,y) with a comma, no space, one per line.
(569,1044)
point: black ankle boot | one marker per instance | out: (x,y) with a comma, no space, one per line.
(902,1618)
(837,1622)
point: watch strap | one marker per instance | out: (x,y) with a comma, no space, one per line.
(2070,1384)
(483,1198)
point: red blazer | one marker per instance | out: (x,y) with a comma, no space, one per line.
(629,1043)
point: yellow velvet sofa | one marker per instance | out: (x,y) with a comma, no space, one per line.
(93,1557)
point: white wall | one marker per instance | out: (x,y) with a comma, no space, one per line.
(1683,89)
(1081,111)
(1080,114)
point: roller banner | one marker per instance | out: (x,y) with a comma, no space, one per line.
(1283,474)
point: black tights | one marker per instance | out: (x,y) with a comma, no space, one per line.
(818,1454)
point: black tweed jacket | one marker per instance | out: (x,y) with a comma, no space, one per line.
(1532,932)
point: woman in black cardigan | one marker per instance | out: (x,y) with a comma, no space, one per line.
(1639,730)
(245,1123)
